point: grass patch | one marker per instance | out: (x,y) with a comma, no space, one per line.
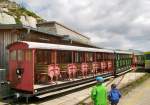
(18,21)
(3,0)
(21,11)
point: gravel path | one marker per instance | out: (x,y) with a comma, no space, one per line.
(138,96)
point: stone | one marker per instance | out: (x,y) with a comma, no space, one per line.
(6,19)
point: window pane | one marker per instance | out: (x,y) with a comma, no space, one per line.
(28,55)
(43,57)
(89,57)
(147,56)
(13,55)
(76,57)
(20,55)
(64,57)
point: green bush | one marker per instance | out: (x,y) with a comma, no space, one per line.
(22,11)
(18,21)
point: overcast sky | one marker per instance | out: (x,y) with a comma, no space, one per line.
(117,24)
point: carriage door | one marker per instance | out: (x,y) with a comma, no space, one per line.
(21,70)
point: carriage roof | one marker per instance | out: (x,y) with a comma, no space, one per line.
(123,52)
(38,45)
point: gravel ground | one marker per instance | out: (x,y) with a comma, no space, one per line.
(140,95)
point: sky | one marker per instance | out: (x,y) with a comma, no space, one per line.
(116,24)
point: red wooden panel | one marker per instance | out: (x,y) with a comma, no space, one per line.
(26,80)
(18,45)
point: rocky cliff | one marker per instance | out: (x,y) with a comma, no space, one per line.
(13,13)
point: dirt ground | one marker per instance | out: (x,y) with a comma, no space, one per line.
(140,95)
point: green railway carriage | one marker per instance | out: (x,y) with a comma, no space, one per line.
(147,60)
(123,60)
(139,58)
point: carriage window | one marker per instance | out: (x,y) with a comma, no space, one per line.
(79,57)
(38,56)
(76,57)
(64,57)
(128,56)
(20,55)
(13,55)
(89,57)
(109,56)
(125,56)
(104,56)
(98,56)
(147,56)
(43,57)
(28,55)
(118,56)
(122,56)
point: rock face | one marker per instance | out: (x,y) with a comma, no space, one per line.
(28,21)
(6,19)
(12,13)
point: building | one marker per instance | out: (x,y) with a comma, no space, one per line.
(67,33)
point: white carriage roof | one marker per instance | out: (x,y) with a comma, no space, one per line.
(123,52)
(38,45)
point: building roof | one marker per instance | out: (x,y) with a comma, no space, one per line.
(54,22)
(20,26)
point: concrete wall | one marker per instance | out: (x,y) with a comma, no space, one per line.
(47,28)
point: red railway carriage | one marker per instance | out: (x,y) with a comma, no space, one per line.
(32,64)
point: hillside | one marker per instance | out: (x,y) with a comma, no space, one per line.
(13,13)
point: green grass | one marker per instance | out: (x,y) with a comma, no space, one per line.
(23,12)
(3,0)
(18,21)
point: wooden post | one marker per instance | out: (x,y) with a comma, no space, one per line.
(72,57)
(95,56)
(33,64)
(55,57)
(85,55)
